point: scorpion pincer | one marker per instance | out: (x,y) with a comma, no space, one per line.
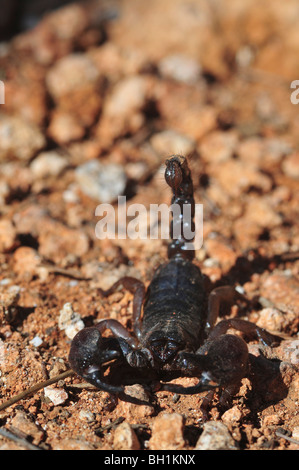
(174,326)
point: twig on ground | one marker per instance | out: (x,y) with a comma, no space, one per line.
(36,388)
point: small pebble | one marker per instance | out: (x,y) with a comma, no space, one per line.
(70,321)
(180,68)
(58,396)
(282,289)
(103,183)
(24,424)
(215,436)
(128,95)
(26,261)
(48,164)
(7,236)
(272,319)
(4,192)
(19,138)
(123,109)
(125,438)
(260,212)
(290,165)
(233,415)
(70,73)
(275,149)
(220,252)
(167,432)
(295,433)
(290,351)
(86,415)
(65,127)
(237,177)
(58,241)
(36,341)
(70,195)
(218,146)
(171,142)
(132,410)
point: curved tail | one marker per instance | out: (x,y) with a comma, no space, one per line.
(182,227)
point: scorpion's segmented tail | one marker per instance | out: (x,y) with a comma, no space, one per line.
(182,227)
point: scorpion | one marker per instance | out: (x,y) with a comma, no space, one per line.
(174,321)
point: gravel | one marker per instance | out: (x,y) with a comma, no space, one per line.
(104,183)
(93,107)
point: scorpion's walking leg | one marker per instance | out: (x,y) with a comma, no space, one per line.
(218,296)
(230,295)
(206,404)
(246,327)
(138,289)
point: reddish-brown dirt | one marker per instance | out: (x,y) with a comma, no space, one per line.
(96,98)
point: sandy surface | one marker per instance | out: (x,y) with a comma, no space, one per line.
(97,97)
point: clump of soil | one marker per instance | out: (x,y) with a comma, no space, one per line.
(97,96)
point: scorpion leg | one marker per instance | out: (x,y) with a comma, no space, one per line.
(138,289)
(245,327)
(219,295)
(230,295)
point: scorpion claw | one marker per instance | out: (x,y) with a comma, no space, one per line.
(93,376)
(89,351)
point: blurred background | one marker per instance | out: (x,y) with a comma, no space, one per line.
(97,95)
(127,82)
(17,15)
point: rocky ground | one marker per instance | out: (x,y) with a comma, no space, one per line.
(97,96)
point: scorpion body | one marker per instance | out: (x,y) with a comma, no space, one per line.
(173,316)
(176,290)
(174,325)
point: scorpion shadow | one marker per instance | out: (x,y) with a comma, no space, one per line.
(244,268)
(268,387)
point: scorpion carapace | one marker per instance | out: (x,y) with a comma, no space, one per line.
(173,330)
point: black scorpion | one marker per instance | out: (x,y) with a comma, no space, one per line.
(173,331)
